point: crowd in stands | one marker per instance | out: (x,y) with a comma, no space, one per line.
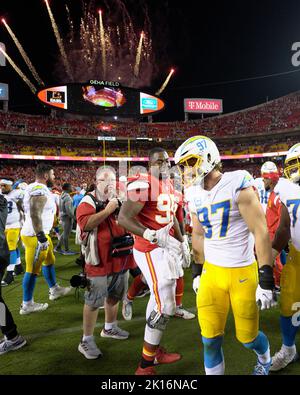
(115,149)
(82,172)
(279,114)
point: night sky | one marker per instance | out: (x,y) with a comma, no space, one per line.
(208,43)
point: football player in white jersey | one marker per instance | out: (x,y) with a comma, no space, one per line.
(14,198)
(39,208)
(289,228)
(225,211)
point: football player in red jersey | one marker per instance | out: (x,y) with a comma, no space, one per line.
(270,176)
(149,213)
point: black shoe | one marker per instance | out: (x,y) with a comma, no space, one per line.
(19,269)
(8,279)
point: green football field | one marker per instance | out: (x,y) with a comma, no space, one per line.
(53,336)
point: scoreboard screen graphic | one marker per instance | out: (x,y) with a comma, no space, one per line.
(101,98)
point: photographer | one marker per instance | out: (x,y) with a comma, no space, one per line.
(106,274)
(12,340)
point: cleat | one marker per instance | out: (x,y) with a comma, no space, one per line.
(11,345)
(115,333)
(282,359)
(127,310)
(143,292)
(183,313)
(33,308)
(18,269)
(8,279)
(163,357)
(261,369)
(89,349)
(149,371)
(59,292)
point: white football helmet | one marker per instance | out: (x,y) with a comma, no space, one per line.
(292,163)
(269,170)
(199,155)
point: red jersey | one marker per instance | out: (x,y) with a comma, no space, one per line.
(273,213)
(108,264)
(159,206)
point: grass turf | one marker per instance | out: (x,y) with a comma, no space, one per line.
(53,336)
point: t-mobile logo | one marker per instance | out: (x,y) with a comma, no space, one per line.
(2,315)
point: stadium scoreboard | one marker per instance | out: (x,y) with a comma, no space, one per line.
(101,98)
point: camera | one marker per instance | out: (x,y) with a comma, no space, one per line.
(80,281)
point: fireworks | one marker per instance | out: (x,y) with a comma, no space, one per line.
(21,74)
(164,85)
(59,41)
(104,45)
(103,48)
(23,53)
(138,57)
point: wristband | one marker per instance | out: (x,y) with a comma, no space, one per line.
(266,279)
(196,269)
(41,237)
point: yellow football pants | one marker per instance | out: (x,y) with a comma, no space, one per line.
(221,287)
(290,283)
(12,238)
(45,257)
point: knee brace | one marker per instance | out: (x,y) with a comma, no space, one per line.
(157,320)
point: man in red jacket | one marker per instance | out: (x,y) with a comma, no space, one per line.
(106,274)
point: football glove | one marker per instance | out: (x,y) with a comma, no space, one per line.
(196,274)
(265,295)
(186,253)
(43,242)
(162,238)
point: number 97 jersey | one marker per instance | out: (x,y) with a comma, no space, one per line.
(228,241)
(159,205)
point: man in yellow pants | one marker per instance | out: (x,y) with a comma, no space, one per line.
(14,198)
(225,211)
(39,206)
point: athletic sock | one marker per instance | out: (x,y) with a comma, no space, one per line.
(288,331)
(213,355)
(18,257)
(179,291)
(87,338)
(148,357)
(13,257)
(217,370)
(261,347)
(49,274)
(29,281)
